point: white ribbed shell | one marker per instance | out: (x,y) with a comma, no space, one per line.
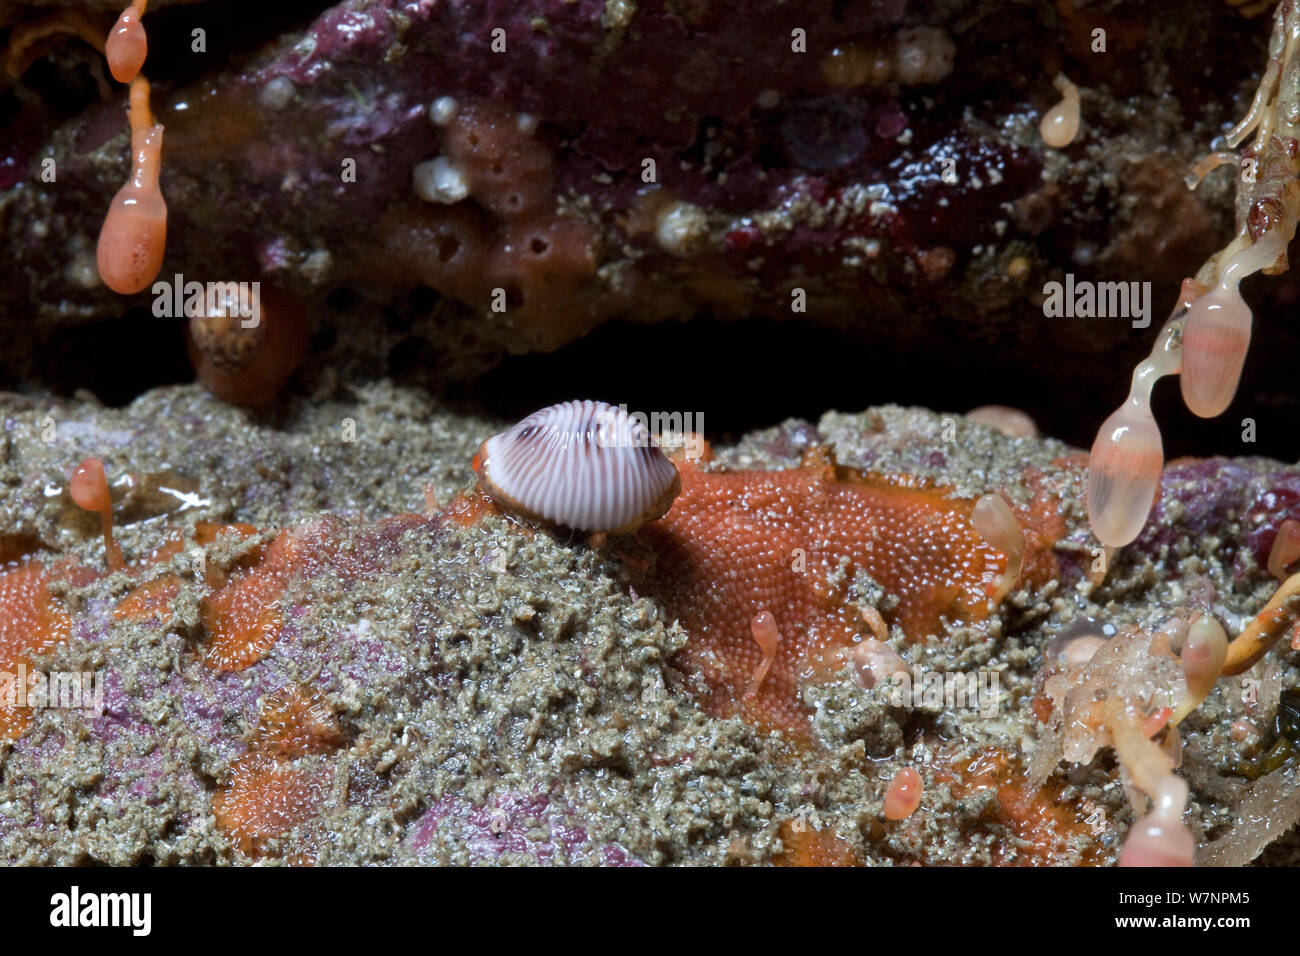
(587,465)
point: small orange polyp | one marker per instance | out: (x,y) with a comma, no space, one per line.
(89,490)
(126,46)
(89,486)
(768,638)
(903,795)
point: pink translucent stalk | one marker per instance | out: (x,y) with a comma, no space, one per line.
(133,239)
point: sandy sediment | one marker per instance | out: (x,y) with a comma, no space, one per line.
(504,695)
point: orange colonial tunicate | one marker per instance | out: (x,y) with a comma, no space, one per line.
(272,789)
(1048,828)
(791,542)
(153,599)
(244,613)
(468,508)
(243,616)
(267,798)
(31,622)
(805,845)
(296,722)
(134,235)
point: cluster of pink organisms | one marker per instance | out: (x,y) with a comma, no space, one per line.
(1101,694)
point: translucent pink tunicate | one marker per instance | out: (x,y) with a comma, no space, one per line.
(1285,550)
(1216,330)
(1216,336)
(996,523)
(1124,474)
(1202,655)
